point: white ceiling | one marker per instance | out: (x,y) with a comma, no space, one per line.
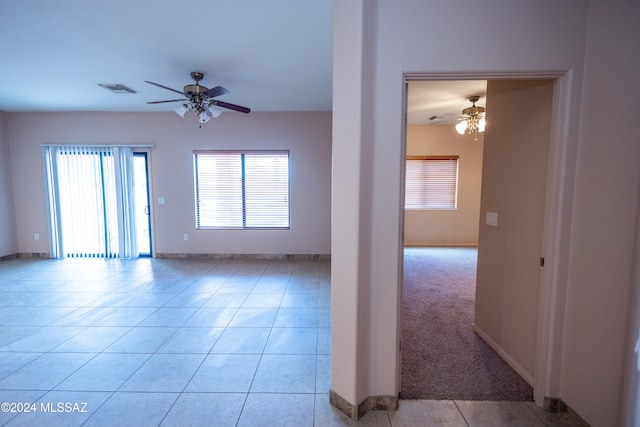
(440,102)
(272,55)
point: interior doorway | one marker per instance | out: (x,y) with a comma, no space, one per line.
(529,325)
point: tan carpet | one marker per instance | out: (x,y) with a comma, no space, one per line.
(442,358)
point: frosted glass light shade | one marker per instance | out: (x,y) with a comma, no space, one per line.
(216,112)
(461,127)
(204,117)
(181,110)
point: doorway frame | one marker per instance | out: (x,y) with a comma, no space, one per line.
(559,188)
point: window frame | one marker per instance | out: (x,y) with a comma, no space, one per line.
(242,183)
(427,207)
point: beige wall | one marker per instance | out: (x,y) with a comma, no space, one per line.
(604,222)
(592,48)
(457,227)
(8,236)
(306,135)
(513,186)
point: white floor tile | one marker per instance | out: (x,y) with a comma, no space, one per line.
(206,409)
(268,410)
(133,409)
(225,373)
(285,374)
(497,414)
(105,372)
(292,341)
(164,373)
(427,413)
(242,341)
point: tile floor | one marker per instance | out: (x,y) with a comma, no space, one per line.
(153,342)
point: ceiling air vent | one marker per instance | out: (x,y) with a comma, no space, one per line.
(117,88)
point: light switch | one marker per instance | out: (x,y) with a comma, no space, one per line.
(491,219)
(161,200)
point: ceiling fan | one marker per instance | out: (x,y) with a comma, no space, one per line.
(200,100)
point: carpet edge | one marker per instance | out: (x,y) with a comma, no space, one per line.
(506,356)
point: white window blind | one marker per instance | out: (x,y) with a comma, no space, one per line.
(241,189)
(431,183)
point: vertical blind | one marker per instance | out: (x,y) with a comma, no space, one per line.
(87,202)
(241,189)
(431,183)
(90,201)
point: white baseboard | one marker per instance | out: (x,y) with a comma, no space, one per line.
(515,365)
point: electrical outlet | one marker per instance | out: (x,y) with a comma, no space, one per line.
(36,236)
(186,237)
(161,201)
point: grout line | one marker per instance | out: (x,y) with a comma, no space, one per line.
(543,423)
(460,411)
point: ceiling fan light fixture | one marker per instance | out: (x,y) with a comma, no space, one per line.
(200,100)
(474,119)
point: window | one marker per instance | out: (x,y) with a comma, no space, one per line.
(241,189)
(431,183)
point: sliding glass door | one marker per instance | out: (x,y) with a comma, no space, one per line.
(143,213)
(94,194)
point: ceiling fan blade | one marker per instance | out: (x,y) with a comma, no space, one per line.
(171,100)
(232,106)
(164,87)
(216,91)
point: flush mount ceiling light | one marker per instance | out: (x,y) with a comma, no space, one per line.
(474,121)
(200,100)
